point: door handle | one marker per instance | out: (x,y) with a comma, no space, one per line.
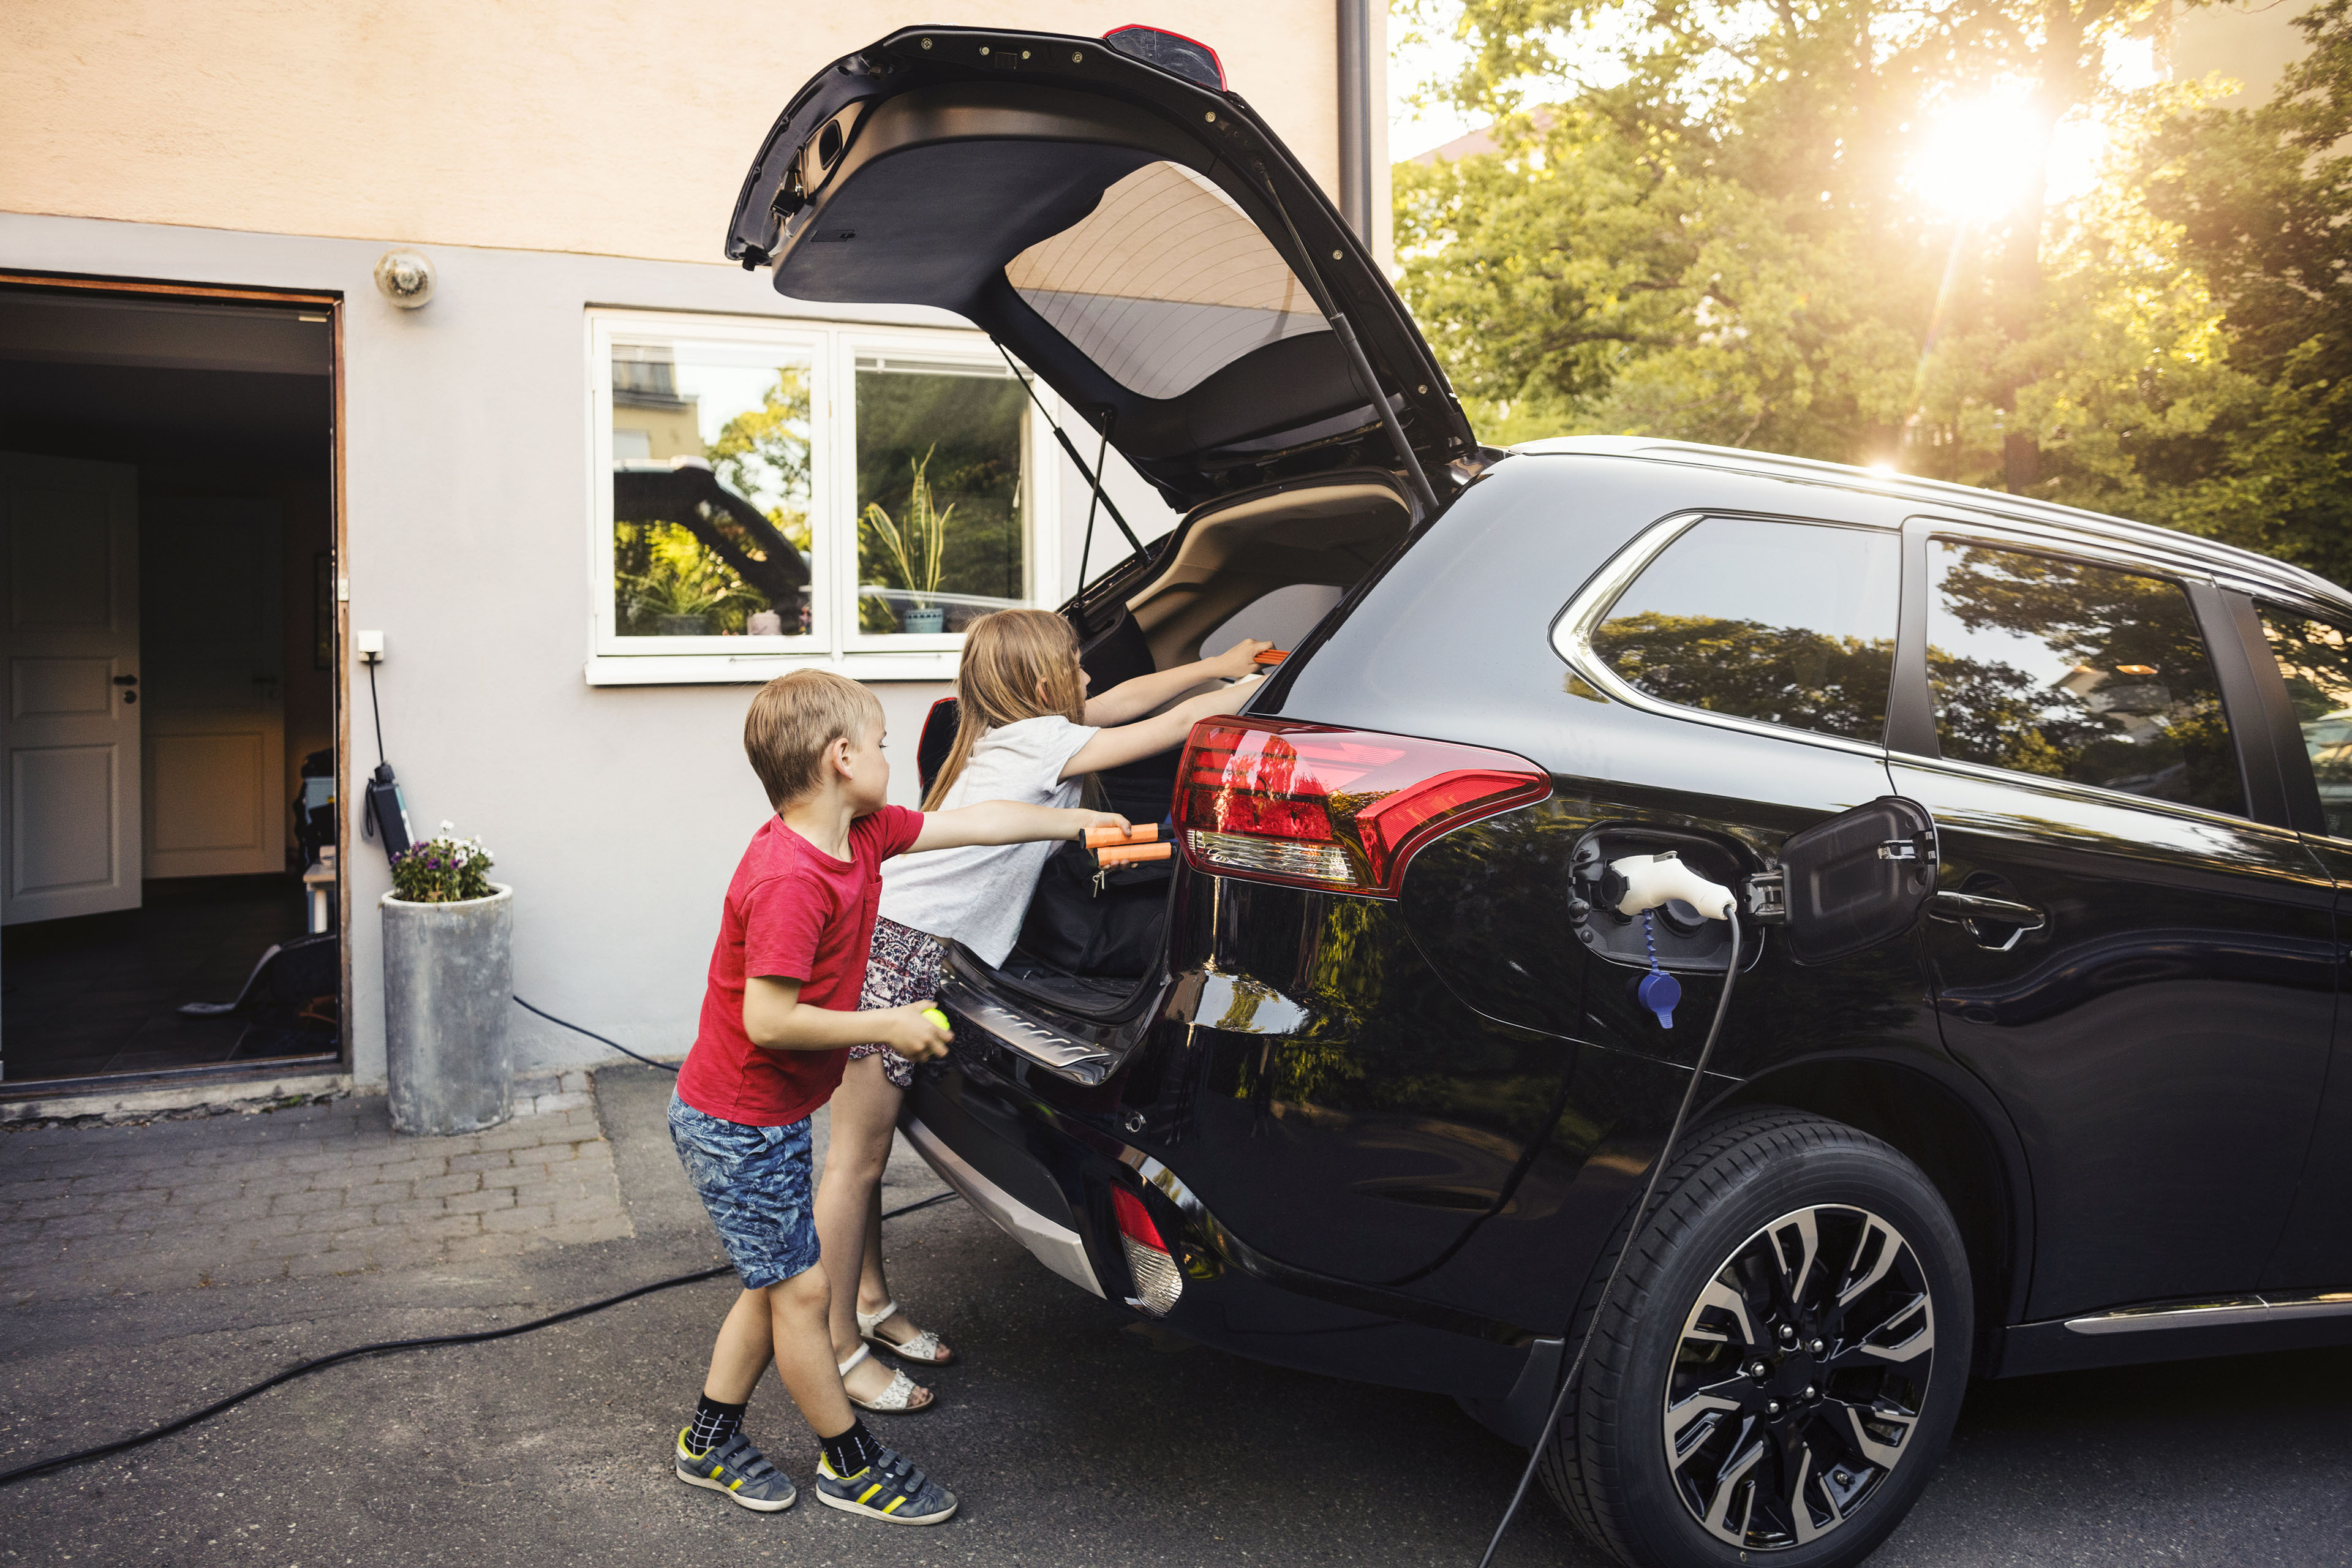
(1973,912)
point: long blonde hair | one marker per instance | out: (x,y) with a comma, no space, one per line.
(1007,657)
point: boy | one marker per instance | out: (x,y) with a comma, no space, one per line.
(778,1017)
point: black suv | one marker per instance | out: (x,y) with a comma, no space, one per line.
(2037,820)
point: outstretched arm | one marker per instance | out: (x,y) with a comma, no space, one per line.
(1161,732)
(1133,698)
(1007,822)
(775,1019)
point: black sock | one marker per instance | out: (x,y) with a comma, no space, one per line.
(852,1451)
(713,1424)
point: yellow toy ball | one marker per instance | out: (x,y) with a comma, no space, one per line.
(936,1016)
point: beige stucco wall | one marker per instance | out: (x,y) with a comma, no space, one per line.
(2249,41)
(616,127)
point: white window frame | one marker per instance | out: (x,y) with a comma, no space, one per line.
(834,641)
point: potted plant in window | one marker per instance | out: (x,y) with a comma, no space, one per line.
(449,973)
(685,594)
(916,553)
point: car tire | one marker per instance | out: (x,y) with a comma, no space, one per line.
(1798,1245)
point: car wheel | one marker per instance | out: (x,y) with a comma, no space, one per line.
(1780,1363)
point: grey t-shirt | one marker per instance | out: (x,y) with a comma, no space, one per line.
(978,895)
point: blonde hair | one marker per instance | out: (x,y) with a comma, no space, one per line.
(794,719)
(1007,657)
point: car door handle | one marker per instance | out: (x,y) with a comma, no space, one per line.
(1974,911)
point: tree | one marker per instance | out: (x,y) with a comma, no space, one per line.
(1707,221)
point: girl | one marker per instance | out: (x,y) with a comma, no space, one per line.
(1027,731)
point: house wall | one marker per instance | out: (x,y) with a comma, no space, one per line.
(546,158)
(612,127)
(2249,41)
(617,812)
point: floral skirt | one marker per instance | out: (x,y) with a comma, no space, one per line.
(903,967)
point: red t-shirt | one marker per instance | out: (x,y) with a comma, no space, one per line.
(794,913)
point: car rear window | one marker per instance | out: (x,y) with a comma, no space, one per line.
(2315,658)
(1783,623)
(2069,670)
(1165,283)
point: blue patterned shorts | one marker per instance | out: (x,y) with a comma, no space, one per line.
(754,1180)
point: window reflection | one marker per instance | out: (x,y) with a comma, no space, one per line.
(1783,623)
(940,529)
(2078,672)
(710,491)
(2315,658)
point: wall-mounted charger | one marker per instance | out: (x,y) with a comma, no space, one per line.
(369,645)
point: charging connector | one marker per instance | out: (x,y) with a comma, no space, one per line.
(1653,879)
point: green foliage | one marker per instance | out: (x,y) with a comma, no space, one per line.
(443,870)
(967,428)
(1701,223)
(913,555)
(661,569)
(764,452)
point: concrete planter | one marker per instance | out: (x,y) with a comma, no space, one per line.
(448,978)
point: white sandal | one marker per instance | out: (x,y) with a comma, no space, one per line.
(923,1350)
(896,1400)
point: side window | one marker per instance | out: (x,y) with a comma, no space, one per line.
(2077,672)
(1784,623)
(2315,658)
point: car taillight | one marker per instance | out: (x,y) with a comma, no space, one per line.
(1308,804)
(1158,1280)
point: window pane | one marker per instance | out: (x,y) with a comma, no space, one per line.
(1781,622)
(2315,658)
(939,537)
(2075,672)
(1164,283)
(710,491)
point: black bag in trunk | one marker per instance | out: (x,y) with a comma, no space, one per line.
(1113,932)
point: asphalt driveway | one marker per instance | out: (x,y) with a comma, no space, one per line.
(1072,1438)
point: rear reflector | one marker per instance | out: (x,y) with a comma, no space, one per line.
(1307,804)
(1158,1281)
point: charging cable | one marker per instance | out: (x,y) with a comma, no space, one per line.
(384,1347)
(566,1023)
(1706,896)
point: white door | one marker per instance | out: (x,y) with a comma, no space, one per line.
(69,822)
(213,610)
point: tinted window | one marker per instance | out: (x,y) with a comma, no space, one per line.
(1784,623)
(2076,672)
(2315,658)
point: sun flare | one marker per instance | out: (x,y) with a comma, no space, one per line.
(1976,159)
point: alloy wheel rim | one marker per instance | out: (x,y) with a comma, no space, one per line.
(1802,1371)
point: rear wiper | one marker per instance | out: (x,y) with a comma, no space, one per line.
(1342,328)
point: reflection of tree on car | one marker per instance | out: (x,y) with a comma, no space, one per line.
(2137,711)
(2316,662)
(1780,675)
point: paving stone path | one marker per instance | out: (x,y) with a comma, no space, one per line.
(315,1190)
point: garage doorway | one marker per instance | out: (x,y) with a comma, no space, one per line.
(169,631)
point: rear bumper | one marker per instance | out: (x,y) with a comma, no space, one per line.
(1044,1173)
(1051,1242)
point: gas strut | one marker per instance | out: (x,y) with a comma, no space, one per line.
(1342,328)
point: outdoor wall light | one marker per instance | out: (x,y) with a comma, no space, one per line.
(406,278)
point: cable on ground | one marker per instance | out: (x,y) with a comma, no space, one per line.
(566,1023)
(41,1466)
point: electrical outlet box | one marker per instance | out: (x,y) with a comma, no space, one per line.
(369,644)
